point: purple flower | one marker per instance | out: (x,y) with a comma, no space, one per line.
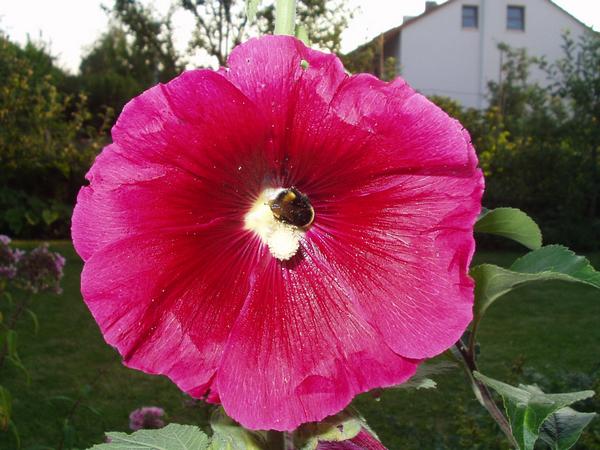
(39,270)
(8,259)
(146,417)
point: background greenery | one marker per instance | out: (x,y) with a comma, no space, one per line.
(538,146)
(546,341)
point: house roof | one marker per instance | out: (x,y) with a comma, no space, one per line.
(396,30)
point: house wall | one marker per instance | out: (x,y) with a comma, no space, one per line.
(438,57)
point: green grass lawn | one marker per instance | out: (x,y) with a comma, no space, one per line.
(558,338)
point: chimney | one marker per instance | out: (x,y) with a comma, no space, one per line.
(430,5)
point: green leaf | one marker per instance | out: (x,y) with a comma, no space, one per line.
(5,408)
(562,429)
(421,379)
(11,343)
(61,398)
(49,216)
(93,410)
(510,223)
(527,407)
(16,361)
(556,258)
(69,434)
(34,319)
(9,298)
(15,431)
(171,437)
(31,218)
(550,263)
(229,435)
(341,427)
(251,8)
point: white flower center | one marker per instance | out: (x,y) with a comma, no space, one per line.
(282,238)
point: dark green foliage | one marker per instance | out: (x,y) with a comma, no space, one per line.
(369,59)
(538,146)
(135,53)
(45,143)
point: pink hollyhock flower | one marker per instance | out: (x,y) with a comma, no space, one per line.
(146,417)
(280,236)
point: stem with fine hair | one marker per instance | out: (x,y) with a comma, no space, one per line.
(483,393)
(285,17)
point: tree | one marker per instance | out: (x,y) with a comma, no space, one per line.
(152,46)
(45,145)
(136,52)
(324,21)
(222,24)
(576,79)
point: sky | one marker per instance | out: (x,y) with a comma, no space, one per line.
(71,26)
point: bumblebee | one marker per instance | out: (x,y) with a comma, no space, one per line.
(292,207)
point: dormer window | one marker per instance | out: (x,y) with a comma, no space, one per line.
(470,17)
(515,18)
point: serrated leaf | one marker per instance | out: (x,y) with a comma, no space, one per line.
(527,407)
(550,263)
(341,427)
(229,435)
(556,258)
(171,437)
(510,223)
(251,8)
(562,429)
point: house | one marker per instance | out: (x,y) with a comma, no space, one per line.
(452,48)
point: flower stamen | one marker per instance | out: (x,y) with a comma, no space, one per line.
(280,218)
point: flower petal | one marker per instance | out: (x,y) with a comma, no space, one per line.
(404,246)
(409,133)
(282,77)
(165,302)
(184,153)
(300,351)
(126,198)
(198,122)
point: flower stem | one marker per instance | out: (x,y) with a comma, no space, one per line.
(280,440)
(77,403)
(285,17)
(12,323)
(482,393)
